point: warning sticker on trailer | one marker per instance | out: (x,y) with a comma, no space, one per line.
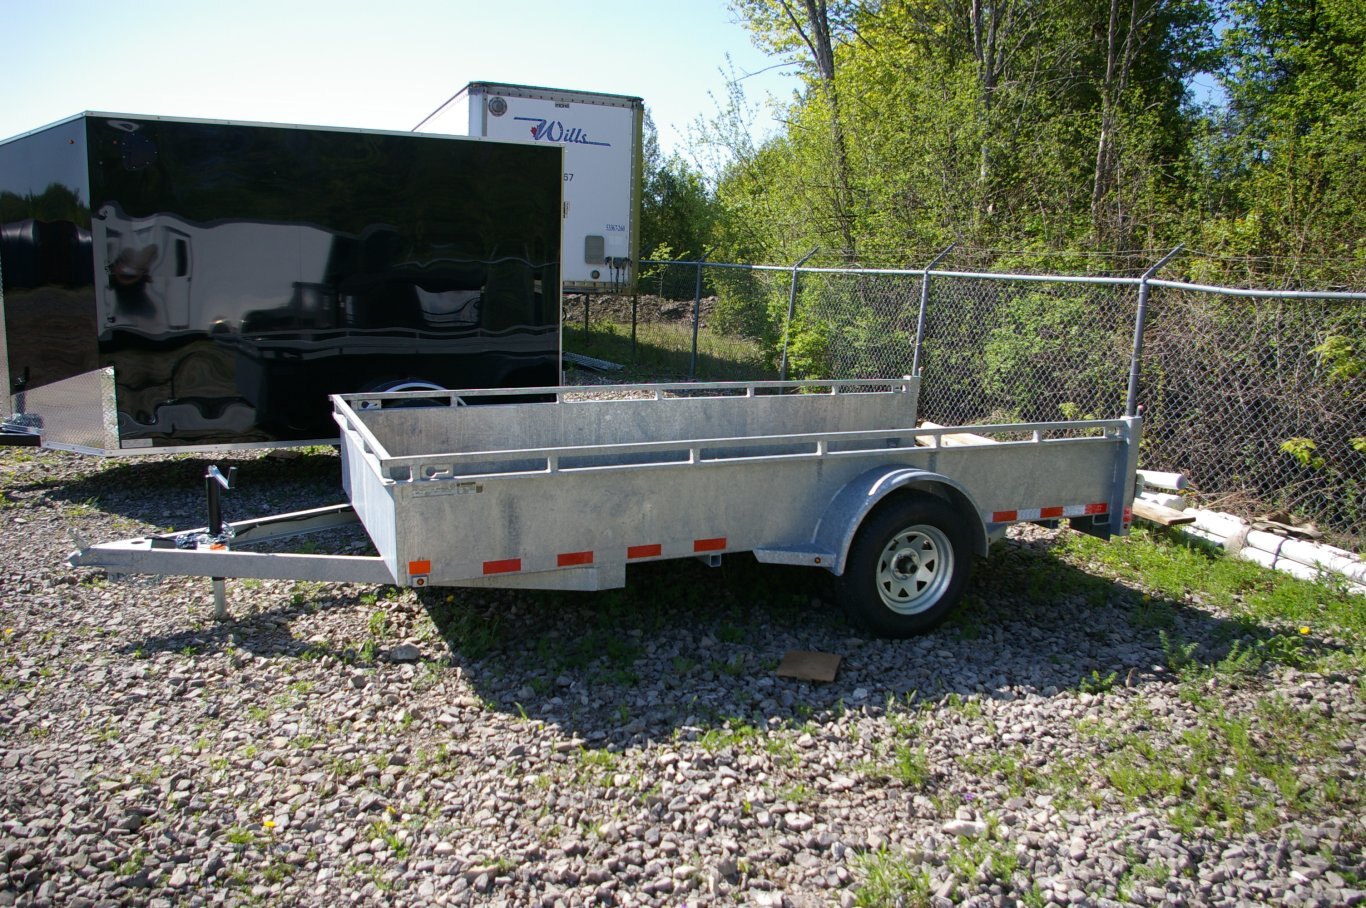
(432,489)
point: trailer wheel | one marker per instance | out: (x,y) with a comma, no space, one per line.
(413,384)
(409,385)
(906,567)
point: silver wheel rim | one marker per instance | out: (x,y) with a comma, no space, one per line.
(422,386)
(914,569)
(413,386)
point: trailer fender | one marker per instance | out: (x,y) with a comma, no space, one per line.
(853,503)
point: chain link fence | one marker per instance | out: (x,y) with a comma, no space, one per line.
(1261,402)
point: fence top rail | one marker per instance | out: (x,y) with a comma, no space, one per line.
(906,272)
(1036,278)
(1039,278)
(1262,294)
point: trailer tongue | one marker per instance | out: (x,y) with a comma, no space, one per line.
(468,489)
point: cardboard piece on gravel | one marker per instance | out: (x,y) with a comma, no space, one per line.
(809,666)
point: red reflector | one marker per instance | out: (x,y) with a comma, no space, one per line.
(1049,513)
(709,545)
(506,566)
(1003,516)
(569,559)
(644,551)
(1099,508)
(420,567)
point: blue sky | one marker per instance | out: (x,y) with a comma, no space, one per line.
(378,64)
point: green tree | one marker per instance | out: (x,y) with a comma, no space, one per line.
(676,208)
(989,122)
(1290,147)
(808,33)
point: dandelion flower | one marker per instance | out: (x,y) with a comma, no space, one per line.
(1304,631)
(268,823)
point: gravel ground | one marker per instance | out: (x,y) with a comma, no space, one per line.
(369,745)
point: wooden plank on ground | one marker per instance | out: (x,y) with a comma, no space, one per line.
(1161,515)
(809,666)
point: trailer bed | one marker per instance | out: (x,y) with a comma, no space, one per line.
(564,494)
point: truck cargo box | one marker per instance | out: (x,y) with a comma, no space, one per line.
(601,137)
(191,284)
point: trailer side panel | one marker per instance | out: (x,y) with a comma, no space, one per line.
(47,273)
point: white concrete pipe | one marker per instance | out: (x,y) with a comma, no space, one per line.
(1172,482)
(1285,565)
(1328,557)
(1225,525)
(1166,500)
(1194,533)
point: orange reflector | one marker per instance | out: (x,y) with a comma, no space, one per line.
(420,567)
(570,559)
(709,545)
(1003,516)
(644,551)
(506,566)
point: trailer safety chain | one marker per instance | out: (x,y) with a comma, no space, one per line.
(193,540)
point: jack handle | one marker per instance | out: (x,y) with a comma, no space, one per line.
(214,484)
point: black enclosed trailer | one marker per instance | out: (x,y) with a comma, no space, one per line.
(181,284)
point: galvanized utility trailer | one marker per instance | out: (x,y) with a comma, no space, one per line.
(461,489)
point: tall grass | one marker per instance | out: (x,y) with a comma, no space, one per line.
(663,352)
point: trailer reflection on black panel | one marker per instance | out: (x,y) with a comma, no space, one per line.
(223,279)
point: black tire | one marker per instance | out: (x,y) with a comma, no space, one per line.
(907,566)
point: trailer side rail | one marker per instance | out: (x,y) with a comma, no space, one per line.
(697,452)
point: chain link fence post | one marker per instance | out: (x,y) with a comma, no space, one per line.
(697,315)
(791,310)
(635,313)
(924,304)
(1140,320)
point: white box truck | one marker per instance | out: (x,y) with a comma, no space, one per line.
(601,137)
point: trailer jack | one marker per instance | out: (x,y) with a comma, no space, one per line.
(215,483)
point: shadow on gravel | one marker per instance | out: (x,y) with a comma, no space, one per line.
(170,491)
(264,633)
(684,648)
